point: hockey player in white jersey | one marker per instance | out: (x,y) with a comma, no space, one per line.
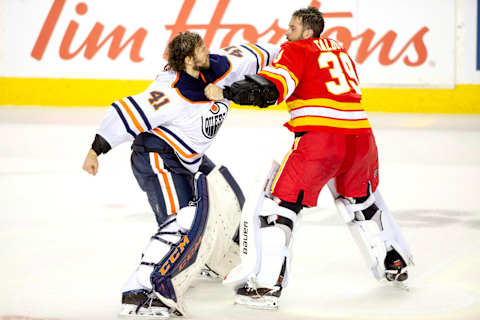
(197,205)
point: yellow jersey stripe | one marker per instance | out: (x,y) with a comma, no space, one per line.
(346,106)
(279,78)
(278,65)
(280,171)
(295,145)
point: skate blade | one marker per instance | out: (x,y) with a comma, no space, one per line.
(128,311)
(263,303)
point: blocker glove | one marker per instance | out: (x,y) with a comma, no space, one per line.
(255,90)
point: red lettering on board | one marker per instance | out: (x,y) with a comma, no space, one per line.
(94,42)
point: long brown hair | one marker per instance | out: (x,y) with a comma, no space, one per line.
(183,45)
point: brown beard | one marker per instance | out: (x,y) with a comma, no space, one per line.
(199,67)
(300,38)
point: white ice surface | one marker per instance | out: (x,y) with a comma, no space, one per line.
(68,241)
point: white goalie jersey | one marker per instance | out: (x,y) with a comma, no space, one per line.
(174,106)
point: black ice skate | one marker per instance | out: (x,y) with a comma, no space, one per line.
(143,305)
(258,298)
(395,267)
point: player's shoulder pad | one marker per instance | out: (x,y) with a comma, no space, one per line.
(334,44)
(338,43)
(165,77)
(294,49)
(288,45)
(219,66)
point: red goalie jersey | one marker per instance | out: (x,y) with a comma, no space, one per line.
(319,82)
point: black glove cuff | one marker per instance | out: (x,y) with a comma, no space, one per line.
(100,145)
(227,93)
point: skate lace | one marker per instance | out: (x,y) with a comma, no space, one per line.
(143,303)
(147,304)
(251,286)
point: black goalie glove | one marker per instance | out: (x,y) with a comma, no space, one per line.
(255,90)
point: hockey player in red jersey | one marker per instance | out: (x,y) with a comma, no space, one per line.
(333,142)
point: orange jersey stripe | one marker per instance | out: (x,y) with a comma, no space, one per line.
(226,73)
(176,80)
(259,53)
(167,185)
(181,95)
(132,116)
(172,144)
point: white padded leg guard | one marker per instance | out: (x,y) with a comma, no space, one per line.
(177,252)
(275,244)
(250,236)
(374,237)
(270,274)
(169,234)
(156,250)
(400,243)
(226,199)
(367,236)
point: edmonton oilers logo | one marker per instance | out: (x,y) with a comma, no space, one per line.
(212,122)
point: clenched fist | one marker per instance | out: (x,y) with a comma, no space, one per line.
(213,92)
(91,163)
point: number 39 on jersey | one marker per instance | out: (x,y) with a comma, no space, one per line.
(344,77)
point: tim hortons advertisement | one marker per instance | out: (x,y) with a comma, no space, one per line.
(407,43)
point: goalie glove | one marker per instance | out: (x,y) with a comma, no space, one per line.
(255,90)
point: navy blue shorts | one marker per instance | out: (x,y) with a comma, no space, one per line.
(159,173)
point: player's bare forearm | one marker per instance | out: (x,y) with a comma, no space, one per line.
(91,162)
